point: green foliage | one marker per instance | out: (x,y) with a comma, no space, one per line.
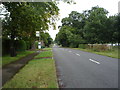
(5,47)
(25,18)
(90,27)
(64,36)
(44,54)
(20,45)
(83,46)
(7,59)
(110,53)
(28,45)
(42,46)
(46,38)
(38,73)
(36,44)
(99,48)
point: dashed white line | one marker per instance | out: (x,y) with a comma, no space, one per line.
(70,51)
(94,61)
(78,54)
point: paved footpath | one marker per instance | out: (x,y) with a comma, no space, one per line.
(11,69)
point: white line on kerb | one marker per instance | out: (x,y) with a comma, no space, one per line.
(94,61)
(77,54)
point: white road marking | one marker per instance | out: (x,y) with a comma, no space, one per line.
(78,54)
(70,51)
(94,61)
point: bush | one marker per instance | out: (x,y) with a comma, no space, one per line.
(28,45)
(83,46)
(20,45)
(42,46)
(98,47)
(5,46)
(36,44)
(72,45)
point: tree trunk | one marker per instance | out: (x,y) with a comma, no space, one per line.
(12,47)
(118,45)
(33,46)
(111,46)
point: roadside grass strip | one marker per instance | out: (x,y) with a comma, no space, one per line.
(44,54)
(113,54)
(38,73)
(8,59)
(47,49)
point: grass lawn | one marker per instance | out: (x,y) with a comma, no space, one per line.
(38,73)
(112,53)
(44,54)
(7,59)
(47,49)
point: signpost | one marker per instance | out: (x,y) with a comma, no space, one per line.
(38,35)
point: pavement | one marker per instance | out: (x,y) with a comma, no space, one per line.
(79,69)
(8,71)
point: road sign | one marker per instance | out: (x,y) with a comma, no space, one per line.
(39,45)
(37,33)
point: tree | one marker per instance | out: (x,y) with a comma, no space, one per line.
(95,27)
(90,27)
(46,38)
(116,34)
(63,36)
(26,18)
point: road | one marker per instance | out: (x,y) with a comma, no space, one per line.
(79,69)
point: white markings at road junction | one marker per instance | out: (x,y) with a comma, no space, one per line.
(77,54)
(94,61)
(70,51)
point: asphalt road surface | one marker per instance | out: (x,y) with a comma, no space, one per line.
(79,69)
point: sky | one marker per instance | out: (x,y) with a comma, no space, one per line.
(65,9)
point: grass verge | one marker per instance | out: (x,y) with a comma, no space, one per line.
(44,54)
(38,73)
(110,53)
(7,59)
(47,49)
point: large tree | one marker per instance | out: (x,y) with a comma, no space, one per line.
(95,27)
(90,27)
(25,18)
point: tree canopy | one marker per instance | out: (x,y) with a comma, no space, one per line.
(25,18)
(89,27)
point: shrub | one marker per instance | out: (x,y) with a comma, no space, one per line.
(28,45)
(103,47)
(42,46)
(5,46)
(72,45)
(36,44)
(83,46)
(20,45)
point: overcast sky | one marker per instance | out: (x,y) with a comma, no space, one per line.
(65,9)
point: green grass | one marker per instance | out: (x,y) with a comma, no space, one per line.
(47,49)
(44,54)
(109,53)
(7,59)
(38,73)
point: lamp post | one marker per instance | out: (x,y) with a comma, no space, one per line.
(38,35)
